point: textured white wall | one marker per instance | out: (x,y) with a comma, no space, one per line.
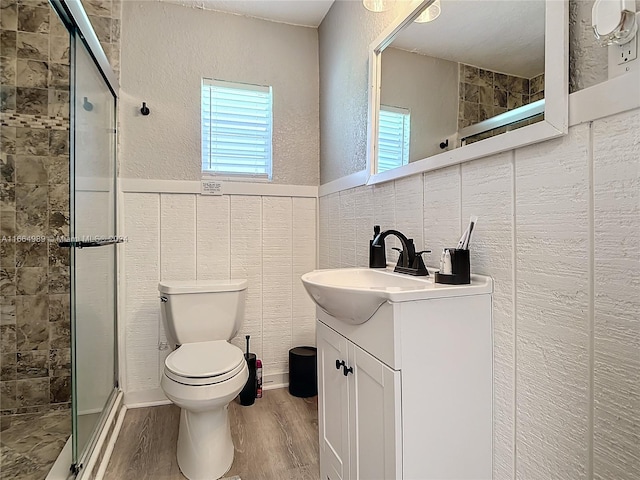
(186,236)
(559,232)
(166,51)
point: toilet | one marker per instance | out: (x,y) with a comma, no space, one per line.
(205,372)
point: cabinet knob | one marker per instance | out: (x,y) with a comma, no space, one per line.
(339,364)
(346,370)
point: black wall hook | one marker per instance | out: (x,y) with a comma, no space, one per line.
(145,110)
(444,144)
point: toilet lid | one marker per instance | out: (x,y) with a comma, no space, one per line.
(204,359)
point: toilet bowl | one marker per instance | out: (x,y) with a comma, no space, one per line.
(205,372)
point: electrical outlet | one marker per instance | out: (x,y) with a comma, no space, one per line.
(628,51)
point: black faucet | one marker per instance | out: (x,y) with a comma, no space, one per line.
(409,262)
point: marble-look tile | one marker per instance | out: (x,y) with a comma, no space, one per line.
(8,338)
(7,254)
(31,254)
(59,103)
(32,141)
(58,75)
(60,335)
(7,98)
(101,8)
(501,81)
(60,362)
(60,389)
(31,280)
(471,93)
(32,101)
(32,325)
(31,169)
(59,197)
(500,98)
(485,78)
(32,392)
(59,256)
(59,308)
(471,75)
(471,112)
(59,143)
(8,397)
(7,281)
(56,27)
(33,364)
(7,168)
(518,85)
(59,280)
(58,170)
(35,3)
(9,15)
(34,46)
(8,70)
(113,55)
(59,50)
(7,197)
(8,140)
(536,84)
(31,210)
(33,19)
(8,43)
(58,226)
(485,95)
(485,112)
(32,73)
(7,223)
(535,97)
(8,366)
(7,310)
(102,26)
(17,466)
(514,100)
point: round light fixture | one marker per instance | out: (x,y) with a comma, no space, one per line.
(430,14)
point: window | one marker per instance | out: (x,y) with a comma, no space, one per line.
(236,129)
(393,137)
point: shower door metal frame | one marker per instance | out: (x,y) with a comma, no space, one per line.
(76,20)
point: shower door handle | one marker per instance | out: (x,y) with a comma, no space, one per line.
(90,243)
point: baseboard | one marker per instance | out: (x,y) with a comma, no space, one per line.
(146,398)
(275,380)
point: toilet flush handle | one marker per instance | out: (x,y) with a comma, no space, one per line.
(164,299)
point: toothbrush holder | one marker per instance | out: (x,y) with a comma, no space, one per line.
(460,268)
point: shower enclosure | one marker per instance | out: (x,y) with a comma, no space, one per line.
(58,268)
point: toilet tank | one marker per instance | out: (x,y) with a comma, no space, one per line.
(201,311)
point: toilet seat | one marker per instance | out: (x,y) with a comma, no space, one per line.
(204,363)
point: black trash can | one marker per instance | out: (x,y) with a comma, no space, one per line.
(303,373)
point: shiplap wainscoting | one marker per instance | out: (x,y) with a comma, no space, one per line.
(559,233)
(269,240)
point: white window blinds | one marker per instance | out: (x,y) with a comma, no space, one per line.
(236,129)
(393,137)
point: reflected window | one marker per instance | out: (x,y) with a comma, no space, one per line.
(393,137)
(237,124)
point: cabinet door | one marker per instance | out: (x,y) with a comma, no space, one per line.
(375,418)
(333,405)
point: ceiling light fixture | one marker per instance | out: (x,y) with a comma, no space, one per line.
(430,14)
(377,5)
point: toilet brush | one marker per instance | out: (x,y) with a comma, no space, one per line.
(248,393)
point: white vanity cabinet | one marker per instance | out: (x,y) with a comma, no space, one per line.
(416,400)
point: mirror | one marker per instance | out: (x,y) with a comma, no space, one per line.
(481,78)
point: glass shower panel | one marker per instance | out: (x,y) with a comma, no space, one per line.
(93,256)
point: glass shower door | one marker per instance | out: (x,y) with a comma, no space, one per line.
(93,252)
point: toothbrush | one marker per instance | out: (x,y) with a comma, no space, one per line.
(463,244)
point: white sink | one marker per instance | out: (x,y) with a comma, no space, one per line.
(353,295)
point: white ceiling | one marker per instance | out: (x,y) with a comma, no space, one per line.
(296,12)
(505,36)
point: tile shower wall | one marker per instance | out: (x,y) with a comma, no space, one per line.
(558,232)
(34,163)
(484,94)
(270,241)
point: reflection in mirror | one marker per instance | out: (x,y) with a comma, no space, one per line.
(474,72)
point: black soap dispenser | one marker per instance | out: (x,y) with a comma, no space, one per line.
(248,393)
(377,253)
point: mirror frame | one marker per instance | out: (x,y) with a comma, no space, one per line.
(556,113)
